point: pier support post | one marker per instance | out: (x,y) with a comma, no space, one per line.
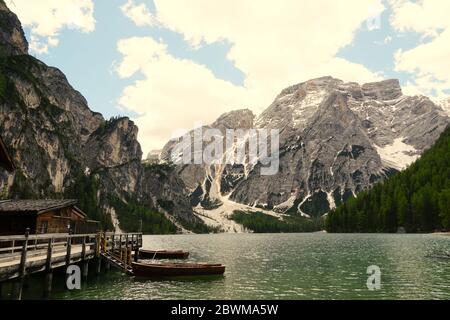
(99,266)
(97,244)
(126,258)
(68,254)
(120,246)
(18,285)
(113,246)
(69,251)
(49,270)
(48,284)
(85,269)
(83,249)
(134,247)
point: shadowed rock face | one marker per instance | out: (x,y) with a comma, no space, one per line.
(12,38)
(336,139)
(55,138)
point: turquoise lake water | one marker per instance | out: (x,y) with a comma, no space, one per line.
(285,266)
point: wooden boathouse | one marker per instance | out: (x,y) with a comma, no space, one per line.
(44,217)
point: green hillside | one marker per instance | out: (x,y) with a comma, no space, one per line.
(417,199)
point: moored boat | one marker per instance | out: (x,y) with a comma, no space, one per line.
(147,270)
(163,254)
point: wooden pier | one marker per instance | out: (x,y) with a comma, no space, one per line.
(21,256)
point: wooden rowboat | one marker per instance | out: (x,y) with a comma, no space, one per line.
(163,254)
(147,270)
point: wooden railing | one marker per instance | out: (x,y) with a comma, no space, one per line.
(28,254)
(46,246)
(118,249)
(115,242)
(10,245)
(16,245)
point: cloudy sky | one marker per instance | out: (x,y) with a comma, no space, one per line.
(169,64)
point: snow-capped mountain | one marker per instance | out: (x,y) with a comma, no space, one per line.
(336,139)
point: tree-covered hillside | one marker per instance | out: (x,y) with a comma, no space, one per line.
(417,199)
(259,222)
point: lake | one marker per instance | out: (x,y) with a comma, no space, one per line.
(286,266)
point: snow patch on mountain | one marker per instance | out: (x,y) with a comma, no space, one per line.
(398,155)
(331,201)
(299,207)
(220,217)
(114,219)
(303,111)
(289,203)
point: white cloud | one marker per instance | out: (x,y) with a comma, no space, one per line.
(175,93)
(429,61)
(140,14)
(274,45)
(277,44)
(46,18)
(426,16)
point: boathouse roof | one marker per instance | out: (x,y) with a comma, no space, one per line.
(5,159)
(36,206)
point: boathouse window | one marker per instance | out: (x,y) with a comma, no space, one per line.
(44,227)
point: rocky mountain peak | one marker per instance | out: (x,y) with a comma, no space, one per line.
(115,142)
(311,86)
(295,106)
(336,139)
(237,119)
(12,37)
(383,90)
(154,156)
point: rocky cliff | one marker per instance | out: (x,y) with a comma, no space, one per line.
(56,140)
(336,139)
(12,37)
